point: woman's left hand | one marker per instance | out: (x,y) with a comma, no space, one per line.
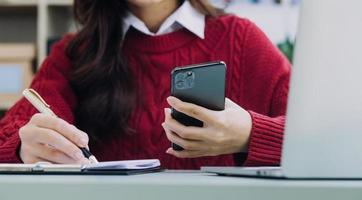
(224,132)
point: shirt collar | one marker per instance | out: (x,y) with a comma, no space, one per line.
(186,16)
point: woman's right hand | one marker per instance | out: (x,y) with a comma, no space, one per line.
(50,139)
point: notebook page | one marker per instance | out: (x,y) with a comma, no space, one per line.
(112,165)
(124,165)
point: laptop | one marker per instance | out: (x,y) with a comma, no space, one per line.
(323,135)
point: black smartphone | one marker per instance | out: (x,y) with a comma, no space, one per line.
(200,84)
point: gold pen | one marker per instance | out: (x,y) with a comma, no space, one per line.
(39,103)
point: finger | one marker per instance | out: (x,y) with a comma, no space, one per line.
(186,132)
(192,110)
(42,160)
(185,153)
(54,139)
(45,152)
(59,125)
(26,154)
(35,159)
(186,144)
(228,103)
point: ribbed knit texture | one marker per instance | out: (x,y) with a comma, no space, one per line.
(257,79)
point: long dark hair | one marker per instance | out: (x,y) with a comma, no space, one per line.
(100,76)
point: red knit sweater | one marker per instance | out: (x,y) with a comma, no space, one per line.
(257,79)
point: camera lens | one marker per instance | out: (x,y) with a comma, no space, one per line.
(180,85)
(189,82)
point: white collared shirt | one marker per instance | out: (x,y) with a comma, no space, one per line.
(186,16)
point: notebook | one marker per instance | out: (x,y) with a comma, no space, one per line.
(125,167)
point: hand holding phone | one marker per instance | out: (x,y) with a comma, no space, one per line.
(200,84)
(224,132)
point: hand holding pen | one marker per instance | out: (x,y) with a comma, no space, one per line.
(49,138)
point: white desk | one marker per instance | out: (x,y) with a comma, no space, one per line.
(172,185)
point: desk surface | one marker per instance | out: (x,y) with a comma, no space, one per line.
(174,185)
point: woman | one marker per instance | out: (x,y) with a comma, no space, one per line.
(111,80)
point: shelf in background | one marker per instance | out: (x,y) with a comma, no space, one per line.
(38,20)
(18,3)
(60,2)
(22,3)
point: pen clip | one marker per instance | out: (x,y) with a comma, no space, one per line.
(38,102)
(37,95)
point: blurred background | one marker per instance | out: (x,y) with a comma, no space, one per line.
(28,28)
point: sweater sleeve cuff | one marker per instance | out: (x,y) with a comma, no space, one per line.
(266,140)
(9,152)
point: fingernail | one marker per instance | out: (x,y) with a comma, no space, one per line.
(84,141)
(78,155)
(167,111)
(170,100)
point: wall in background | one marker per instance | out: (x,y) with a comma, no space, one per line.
(277,18)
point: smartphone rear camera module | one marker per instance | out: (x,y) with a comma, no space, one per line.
(185,80)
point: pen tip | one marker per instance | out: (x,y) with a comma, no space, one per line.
(93,159)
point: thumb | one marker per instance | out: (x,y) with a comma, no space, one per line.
(230,104)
